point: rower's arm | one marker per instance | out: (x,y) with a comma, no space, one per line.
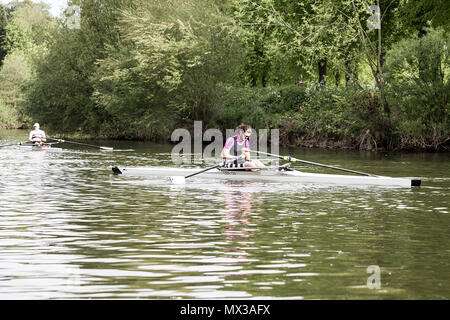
(226,154)
(246,152)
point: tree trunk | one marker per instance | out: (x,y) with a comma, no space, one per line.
(253,80)
(337,76)
(355,73)
(351,73)
(379,73)
(348,72)
(264,78)
(322,64)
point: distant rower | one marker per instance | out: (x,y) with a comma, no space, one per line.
(37,136)
(237,148)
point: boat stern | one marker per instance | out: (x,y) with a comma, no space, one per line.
(116,170)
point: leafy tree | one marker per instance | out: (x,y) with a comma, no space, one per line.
(61,92)
(13,74)
(418,86)
(308,36)
(256,36)
(418,15)
(4,14)
(169,65)
(26,29)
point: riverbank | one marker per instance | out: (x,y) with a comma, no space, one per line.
(332,118)
(319,117)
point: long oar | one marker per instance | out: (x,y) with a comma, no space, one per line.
(14,144)
(83,144)
(182,179)
(290,159)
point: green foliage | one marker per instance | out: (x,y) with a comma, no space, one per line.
(14,72)
(418,87)
(167,68)
(316,116)
(60,94)
(256,34)
(18,36)
(8,117)
(28,29)
(25,29)
(418,15)
(4,14)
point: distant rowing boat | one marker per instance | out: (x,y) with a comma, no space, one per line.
(48,145)
(44,147)
(269,174)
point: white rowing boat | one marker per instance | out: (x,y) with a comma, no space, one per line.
(48,145)
(44,147)
(274,174)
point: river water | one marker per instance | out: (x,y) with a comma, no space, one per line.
(69,228)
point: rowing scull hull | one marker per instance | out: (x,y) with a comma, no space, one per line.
(40,148)
(271,175)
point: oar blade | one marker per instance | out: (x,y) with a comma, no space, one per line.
(106,148)
(178,179)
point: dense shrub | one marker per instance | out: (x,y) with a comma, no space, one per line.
(417,74)
(326,117)
(8,117)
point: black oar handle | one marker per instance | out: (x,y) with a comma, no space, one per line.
(204,170)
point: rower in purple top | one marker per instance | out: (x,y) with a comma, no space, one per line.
(237,148)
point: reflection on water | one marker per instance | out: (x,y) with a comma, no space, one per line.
(71,229)
(239,207)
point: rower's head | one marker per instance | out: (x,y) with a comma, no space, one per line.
(36,126)
(244,131)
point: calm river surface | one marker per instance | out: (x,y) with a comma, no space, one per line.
(69,228)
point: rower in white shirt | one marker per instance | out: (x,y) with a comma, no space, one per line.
(37,136)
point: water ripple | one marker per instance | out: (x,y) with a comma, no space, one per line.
(71,229)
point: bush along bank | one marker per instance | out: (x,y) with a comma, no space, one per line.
(332,117)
